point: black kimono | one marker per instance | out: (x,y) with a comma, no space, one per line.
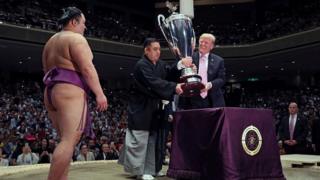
(149,88)
(141,153)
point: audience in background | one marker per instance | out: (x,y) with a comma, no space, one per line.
(116,26)
(23,119)
(27,157)
(85,154)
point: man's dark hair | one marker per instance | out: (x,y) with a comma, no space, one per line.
(69,14)
(148,41)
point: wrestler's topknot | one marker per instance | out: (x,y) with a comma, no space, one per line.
(69,13)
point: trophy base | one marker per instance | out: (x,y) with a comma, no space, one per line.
(190,78)
(191,89)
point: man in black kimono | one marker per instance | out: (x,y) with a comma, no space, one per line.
(149,88)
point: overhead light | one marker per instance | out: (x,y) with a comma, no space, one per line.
(121,68)
(253,79)
(266,67)
(232,80)
(242,70)
(293,62)
(282,69)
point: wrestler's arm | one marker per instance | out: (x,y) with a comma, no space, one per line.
(81,54)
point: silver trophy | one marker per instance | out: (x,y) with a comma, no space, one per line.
(178,32)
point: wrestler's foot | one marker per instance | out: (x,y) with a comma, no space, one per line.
(145,177)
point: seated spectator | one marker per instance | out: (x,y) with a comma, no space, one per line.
(93,147)
(114,148)
(17,150)
(27,157)
(3,160)
(107,153)
(85,155)
(43,152)
(52,145)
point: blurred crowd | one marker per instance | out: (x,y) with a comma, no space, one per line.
(112,25)
(275,23)
(101,23)
(27,135)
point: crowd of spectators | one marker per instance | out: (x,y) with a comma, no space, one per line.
(101,23)
(27,135)
(109,24)
(275,23)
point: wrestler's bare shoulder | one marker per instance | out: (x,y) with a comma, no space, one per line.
(68,36)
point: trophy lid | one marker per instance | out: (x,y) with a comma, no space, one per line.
(176,16)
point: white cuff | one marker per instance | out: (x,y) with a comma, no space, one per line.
(180,65)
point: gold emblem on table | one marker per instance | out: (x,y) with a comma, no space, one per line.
(251,140)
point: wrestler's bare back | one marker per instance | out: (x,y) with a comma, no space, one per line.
(66,50)
(57,51)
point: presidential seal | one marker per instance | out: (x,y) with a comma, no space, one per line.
(251,140)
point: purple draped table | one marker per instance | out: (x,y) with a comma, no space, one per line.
(224,144)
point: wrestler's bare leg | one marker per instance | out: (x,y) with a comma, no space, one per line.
(68,101)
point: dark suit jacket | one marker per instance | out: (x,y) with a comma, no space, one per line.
(316,132)
(108,156)
(149,88)
(300,130)
(216,75)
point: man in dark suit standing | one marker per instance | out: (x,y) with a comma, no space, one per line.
(293,131)
(316,135)
(211,69)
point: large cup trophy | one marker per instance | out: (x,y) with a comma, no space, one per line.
(178,32)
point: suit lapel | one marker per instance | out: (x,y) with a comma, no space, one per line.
(297,122)
(210,65)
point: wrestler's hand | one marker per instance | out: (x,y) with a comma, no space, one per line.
(179,89)
(102,102)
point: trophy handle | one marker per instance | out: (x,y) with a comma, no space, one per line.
(161,18)
(193,40)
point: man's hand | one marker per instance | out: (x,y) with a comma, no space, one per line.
(179,89)
(194,68)
(207,87)
(293,142)
(186,62)
(102,102)
(290,142)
